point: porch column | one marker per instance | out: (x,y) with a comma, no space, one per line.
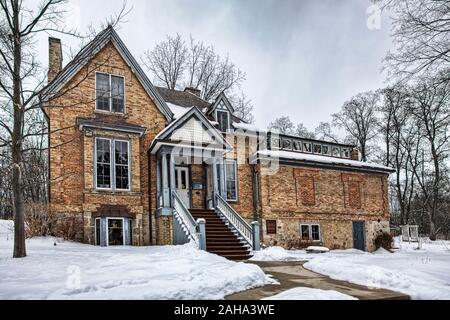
(172,176)
(165,181)
(214,180)
(158,183)
(223,189)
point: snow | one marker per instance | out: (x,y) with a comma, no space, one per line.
(303,293)
(247,127)
(279,254)
(317,249)
(421,274)
(322,159)
(177,111)
(78,271)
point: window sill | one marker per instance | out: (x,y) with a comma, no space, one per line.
(104,112)
(111,192)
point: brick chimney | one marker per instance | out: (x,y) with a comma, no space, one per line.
(355,154)
(54,58)
(194,91)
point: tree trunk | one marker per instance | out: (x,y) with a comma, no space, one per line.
(16,139)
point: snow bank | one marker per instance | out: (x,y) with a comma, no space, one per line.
(280,254)
(421,274)
(303,293)
(78,271)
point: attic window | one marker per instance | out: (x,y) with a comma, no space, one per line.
(110,93)
(223,118)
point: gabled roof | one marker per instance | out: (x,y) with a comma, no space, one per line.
(221,98)
(173,134)
(92,48)
(182,98)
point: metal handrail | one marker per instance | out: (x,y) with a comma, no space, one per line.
(186,218)
(242,227)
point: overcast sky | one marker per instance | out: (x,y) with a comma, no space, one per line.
(303,59)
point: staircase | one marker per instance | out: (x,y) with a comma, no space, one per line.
(220,239)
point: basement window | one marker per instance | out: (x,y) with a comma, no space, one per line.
(310,232)
(110,93)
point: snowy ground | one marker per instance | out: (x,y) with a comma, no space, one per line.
(422,274)
(303,293)
(77,271)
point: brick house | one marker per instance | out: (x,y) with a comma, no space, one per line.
(134,164)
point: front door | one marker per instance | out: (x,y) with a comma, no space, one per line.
(358,235)
(182,184)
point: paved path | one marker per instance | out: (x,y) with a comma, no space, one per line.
(293,274)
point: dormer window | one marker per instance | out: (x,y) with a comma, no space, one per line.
(223,118)
(110,93)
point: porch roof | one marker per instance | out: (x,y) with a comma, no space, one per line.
(191,130)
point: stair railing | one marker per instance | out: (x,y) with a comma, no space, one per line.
(193,230)
(250,233)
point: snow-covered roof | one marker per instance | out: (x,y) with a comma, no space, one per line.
(177,111)
(290,155)
(247,127)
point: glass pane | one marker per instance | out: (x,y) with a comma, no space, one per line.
(304,232)
(345,153)
(121,152)
(115,232)
(103,163)
(315,232)
(122,181)
(275,143)
(97,232)
(183,179)
(117,94)
(318,148)
(230,178)
(103,91)
(222,118)
(326,150)
(336,152)
(297,146)
(307,147)
(286,144)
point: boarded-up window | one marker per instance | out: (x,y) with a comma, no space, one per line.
(271,226)
(307,193)
(354,195)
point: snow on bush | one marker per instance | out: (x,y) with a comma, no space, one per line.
(279,254)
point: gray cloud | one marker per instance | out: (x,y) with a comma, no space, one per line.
(302,58)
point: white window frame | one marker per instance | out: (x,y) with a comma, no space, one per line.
(329,150)
(309,225)
(314,147)
(301,145)
(227,161)
(112,143)
(107,230)
(229,118)
(110,75)
(343,154)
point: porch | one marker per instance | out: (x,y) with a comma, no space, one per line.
(193,183)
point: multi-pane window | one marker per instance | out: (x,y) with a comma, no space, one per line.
(103,163)
(297,145)
(336,152)
(231,179)
(326,150)
(110,93)
(112,172)
(286,144)
(223,118)
(345,152)
(310,232)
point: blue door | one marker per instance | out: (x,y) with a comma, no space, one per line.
(359,241)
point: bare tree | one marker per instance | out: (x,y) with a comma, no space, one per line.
(174,64)
(282,125)
(358,118)
(21,79)
(167,61)
(303,132)
(243,107)
(421,30)
(324,131)
(431,110)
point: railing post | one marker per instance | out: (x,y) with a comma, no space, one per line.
(255,236)
(201,223)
